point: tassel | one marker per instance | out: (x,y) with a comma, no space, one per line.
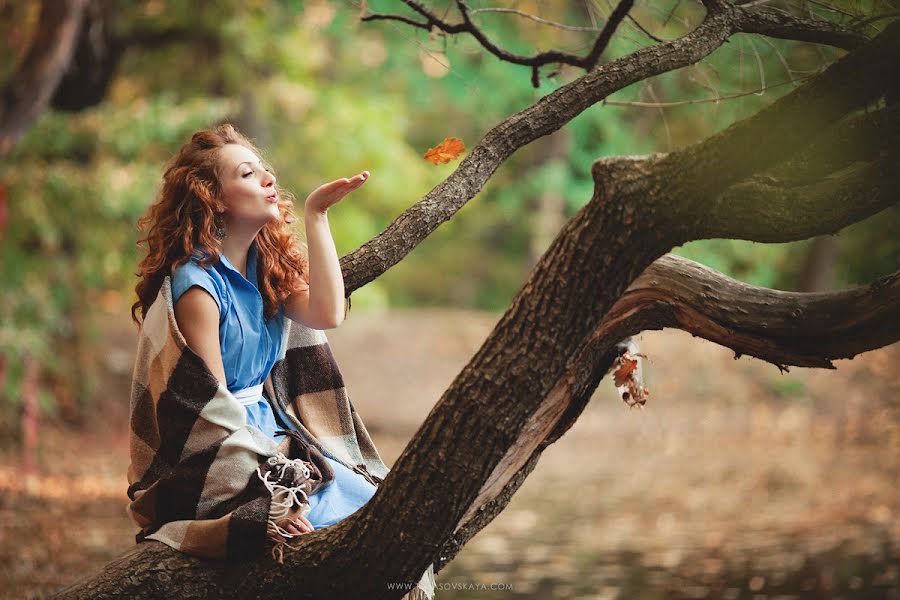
(280,544)
(284,498)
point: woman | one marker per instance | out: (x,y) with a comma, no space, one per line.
(207,476)
(219,217)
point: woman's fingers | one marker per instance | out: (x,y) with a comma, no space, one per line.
(328,194)
(290,527)
(347,185)
(355,180)
(344,187)
(306,522)
(299,525)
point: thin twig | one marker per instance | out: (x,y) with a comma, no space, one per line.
(758,92)
(552,56)
(648,85)
(527,15)
(760,66)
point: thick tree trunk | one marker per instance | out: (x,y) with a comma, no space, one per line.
(26,94)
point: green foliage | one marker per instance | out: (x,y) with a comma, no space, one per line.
(76,186)
(787,388)
(869,248)
(758,264)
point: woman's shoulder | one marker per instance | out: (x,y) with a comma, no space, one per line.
(192,273)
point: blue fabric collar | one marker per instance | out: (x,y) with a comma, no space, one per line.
(251,265)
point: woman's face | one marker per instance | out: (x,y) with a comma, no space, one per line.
(248,188)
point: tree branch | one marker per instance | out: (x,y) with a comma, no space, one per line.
(783,328)
(542,118)
(767,210)
(557,108)
(551,56)
(612,23)
(776,23)
(865,136)
(28,90)
(846,174)
(763,20)
(776,134)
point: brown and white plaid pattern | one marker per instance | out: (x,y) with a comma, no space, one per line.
(193,478)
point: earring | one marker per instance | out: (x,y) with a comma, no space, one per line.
(220,226)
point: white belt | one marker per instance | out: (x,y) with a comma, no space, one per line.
(249,395)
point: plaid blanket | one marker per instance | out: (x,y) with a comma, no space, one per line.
(204,482)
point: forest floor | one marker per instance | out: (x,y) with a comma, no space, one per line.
(735,481)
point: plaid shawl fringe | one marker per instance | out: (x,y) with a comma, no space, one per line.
(203,481)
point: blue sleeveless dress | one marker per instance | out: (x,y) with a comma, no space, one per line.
(250,346)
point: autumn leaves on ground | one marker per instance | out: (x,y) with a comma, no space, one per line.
(734,481)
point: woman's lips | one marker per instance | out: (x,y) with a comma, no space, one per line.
(273,198)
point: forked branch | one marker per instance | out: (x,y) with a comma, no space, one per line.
(776,23)
(783,328)
(586,62)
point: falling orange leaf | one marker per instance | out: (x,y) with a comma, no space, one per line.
(446,151)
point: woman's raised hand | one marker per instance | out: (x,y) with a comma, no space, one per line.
(329,194)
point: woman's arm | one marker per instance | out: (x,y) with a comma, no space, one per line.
(197,316)
(321,305)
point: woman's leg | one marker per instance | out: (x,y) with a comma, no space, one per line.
(339,499)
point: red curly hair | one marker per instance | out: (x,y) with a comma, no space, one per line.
(182,220)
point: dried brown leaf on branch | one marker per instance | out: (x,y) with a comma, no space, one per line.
(627,378)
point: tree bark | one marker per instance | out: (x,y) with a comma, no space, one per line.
(28,90)
(803,329)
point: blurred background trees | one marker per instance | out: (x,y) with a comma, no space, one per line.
(326,95)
